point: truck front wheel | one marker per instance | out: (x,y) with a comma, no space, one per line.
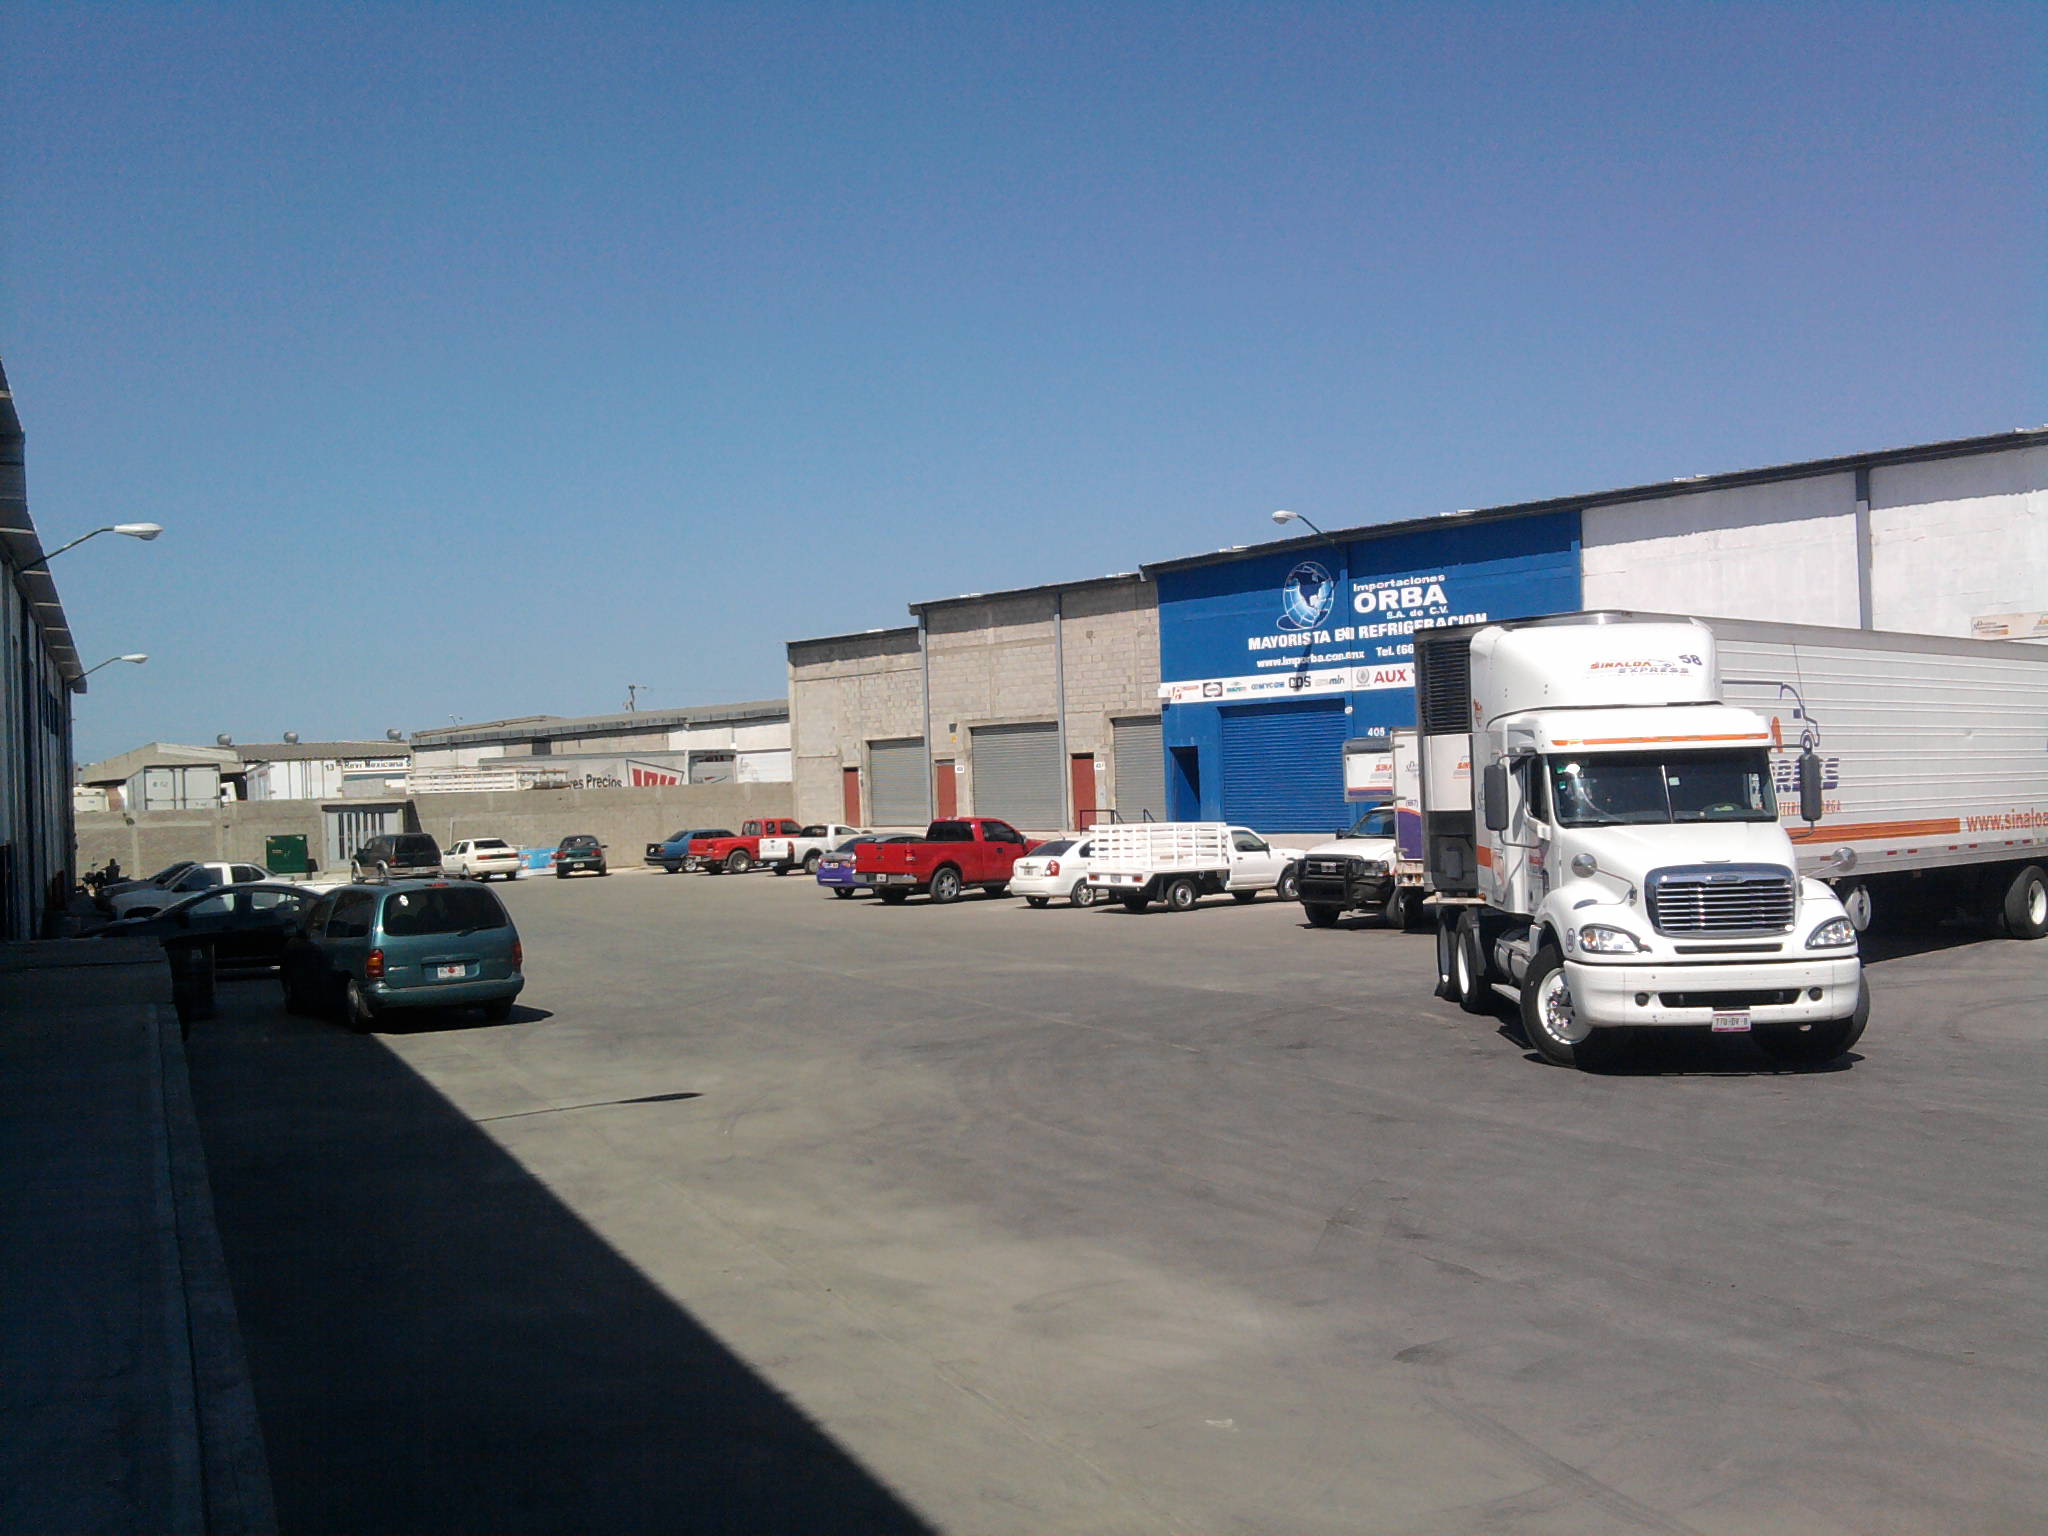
(1289,888)
(1815,1045)
(1549,1019)
(946,886)
(1321,915)
(1468,966)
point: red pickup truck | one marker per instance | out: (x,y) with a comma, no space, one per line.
(737,855)
(956,853)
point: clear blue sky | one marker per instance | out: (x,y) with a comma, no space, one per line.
(481,359)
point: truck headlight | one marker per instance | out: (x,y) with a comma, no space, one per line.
(1598,939)
(1835,933)
(1369,866)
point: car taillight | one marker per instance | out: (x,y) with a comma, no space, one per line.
(374,966)
(1052,866)
(518,954)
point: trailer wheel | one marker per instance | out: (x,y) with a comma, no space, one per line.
(2026,904)
(1815,1045)
(1289,886)
(1549,1021)
(1321,915)
(1468,973)
(946,885)
(1182,894)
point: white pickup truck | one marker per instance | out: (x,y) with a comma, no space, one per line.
(783,854)
(1180,862)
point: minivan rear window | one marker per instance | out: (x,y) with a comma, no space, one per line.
(442,909)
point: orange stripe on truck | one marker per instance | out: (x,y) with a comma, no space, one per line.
(1484,855)
(1866,830)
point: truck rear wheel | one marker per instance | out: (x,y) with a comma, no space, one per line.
(811,860)
(1321,915)
(1549,1021)
(1468,966)
(946,885)
(738,862)
(893,896)
(1446,957)
(2026,904)
(1815,1045)
(1182,895)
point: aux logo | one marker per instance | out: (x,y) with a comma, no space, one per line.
(1306,596)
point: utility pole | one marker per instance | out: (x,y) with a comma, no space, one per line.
(633,692)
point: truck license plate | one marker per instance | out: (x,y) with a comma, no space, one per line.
(449,972)
(1731,1021)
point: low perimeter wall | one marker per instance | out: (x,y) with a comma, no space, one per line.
(624,819)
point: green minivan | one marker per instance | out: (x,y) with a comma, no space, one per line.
(366,949)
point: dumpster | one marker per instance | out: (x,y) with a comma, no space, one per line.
(286,854)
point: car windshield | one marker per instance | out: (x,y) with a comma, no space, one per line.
(1377,822)
(1052,850)
(1653,788)
(441,909)
(170,872)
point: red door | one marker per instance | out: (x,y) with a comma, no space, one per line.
(945,790)
(1082,776)
(849,789)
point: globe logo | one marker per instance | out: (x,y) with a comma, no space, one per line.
(1306,596)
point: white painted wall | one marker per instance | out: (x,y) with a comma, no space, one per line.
(762,767)
(1956,539)
(1783,551)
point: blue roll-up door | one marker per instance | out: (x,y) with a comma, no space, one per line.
(1283,766)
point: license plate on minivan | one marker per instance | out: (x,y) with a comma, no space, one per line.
(1731,1021)
(457,972)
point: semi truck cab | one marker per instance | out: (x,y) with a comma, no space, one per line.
(1626,866)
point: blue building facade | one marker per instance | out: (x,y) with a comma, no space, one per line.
(1269,662)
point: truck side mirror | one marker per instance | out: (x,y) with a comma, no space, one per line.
(1494,790)
(1810,803)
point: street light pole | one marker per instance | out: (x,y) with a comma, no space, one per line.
(137,657)
(143,531)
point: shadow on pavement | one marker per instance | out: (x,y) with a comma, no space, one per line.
(440,1345)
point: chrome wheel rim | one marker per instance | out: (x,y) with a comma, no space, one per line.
(2037,903)
(1555,1013)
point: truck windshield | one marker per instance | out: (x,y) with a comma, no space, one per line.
(1644,788)
(1377,822)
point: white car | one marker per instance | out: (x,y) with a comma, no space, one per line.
(1055,869)
(479,858)
(145,899)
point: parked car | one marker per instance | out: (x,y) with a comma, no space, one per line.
(673,852)
(735,855)
(479,858)
(1057,868)
(160,880)
(247,923)
(368,950)
(1180,862)
(396,856)
(144,900)
(579,853)
(803,850)
(836,870)
(952,855)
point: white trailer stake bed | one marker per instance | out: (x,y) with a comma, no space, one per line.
(1180,862)
(1666,806)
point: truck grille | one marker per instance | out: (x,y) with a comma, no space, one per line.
(1330,868)
(1728,898)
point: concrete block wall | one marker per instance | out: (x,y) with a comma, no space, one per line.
(843,693)
(624,819)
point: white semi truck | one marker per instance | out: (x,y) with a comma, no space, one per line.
(1625,866)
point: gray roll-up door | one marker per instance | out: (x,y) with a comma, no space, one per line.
(898,792)
(1017,775)
(1140,768)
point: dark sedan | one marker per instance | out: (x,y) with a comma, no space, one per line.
(577,854)
(248,924)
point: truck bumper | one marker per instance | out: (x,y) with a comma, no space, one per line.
(1369,894)
(904,882)
(1797,992)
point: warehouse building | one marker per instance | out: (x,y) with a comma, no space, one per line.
(1271,658)
(1038,705)
(702,744)
(41,672)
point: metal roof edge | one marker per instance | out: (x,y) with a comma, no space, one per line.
(23,547)
(1138,577)
(550,727)
(856,634)
(1955,448)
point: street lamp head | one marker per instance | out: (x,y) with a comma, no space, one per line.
(138,657)
(1283,517)
(144,531)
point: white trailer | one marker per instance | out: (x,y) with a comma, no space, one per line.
(1934,759)
(1179,862)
